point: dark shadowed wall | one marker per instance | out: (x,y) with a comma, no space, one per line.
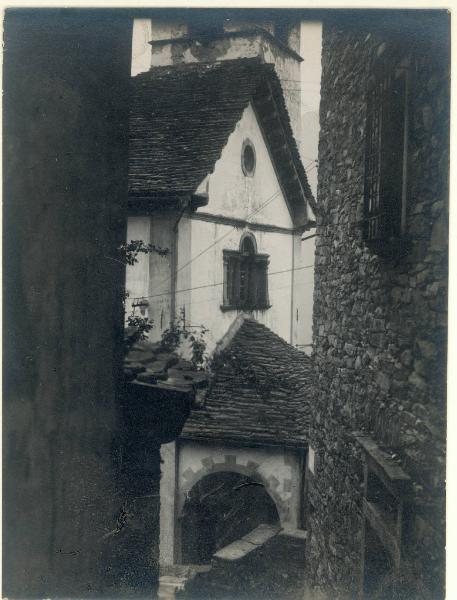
(65,158)
(380,325)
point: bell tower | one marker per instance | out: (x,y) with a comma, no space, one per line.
(188,36)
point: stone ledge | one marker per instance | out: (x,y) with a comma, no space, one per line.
(252,540)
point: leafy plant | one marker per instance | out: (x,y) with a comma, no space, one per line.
(178,332)
(140,326)
(171,337)
(129,252)
(143,326)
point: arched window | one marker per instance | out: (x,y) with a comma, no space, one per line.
(245,277)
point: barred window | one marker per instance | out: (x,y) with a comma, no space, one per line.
(245,277)
(385,155)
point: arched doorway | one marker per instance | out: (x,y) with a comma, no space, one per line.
(219,509)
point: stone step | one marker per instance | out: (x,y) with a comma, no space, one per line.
(173,578)
(299,534)
(249,542)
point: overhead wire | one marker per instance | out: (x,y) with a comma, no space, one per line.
(209,285)
(217,298)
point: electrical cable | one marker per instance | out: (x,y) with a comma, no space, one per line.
(208,285)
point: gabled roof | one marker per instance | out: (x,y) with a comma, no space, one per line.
(182,116)
(259,394)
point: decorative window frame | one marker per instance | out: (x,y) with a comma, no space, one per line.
(255,265)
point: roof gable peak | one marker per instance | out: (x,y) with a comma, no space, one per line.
(178,109)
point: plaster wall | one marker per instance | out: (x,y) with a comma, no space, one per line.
(167,29)
(233,194)
(137,277)
(207,279)
(151,277)
(200,245)
(199,289)
(188,50)
(310,78)
(303,290)
(141,50)
(147,30)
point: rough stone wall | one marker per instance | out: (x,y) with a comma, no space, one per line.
(379,325)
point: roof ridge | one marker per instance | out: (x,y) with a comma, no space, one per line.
(231,332)
(248,320)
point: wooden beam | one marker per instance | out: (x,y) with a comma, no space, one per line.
(389,472)
(383,529)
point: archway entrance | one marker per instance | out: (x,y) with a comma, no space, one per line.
(221,508)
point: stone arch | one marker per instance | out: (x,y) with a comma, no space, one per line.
(251,470)
(221,508)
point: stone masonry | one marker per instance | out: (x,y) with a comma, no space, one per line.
(379,325)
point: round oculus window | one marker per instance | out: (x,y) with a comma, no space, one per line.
(248,158)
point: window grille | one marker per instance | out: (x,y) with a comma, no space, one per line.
(385,155)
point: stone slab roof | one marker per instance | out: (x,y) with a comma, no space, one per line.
(152,364)
(181,118)
(259,392)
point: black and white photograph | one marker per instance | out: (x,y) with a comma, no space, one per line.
(225,302)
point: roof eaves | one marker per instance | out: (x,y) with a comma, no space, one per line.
(245,441)
(275,97)
(295,154)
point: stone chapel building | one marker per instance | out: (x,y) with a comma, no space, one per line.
(215,176)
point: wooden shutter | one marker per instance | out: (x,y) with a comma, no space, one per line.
(244,281)
(227,277)
(231,279)
(261,281)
